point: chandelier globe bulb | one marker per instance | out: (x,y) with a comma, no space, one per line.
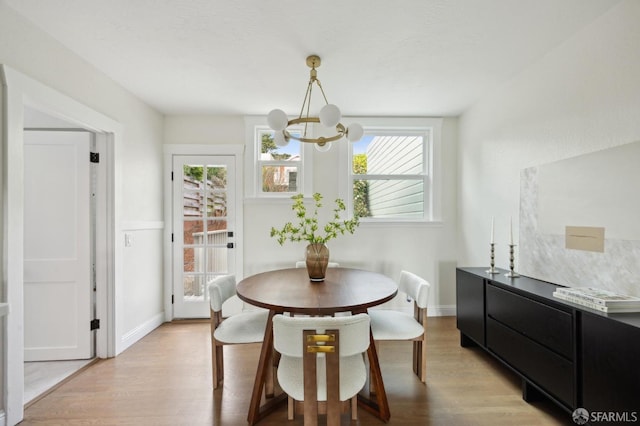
(355,132)
(277,120)
(280,139)
(330,115)
(323,148)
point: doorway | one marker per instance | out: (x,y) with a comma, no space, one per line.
(204,225)
(20,93)
(59,253)
(203,190)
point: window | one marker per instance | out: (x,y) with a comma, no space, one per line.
(278,167)
(276,172)
(390,174)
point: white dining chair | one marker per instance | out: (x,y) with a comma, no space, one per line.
(388,324)
(244,327)
(321,366)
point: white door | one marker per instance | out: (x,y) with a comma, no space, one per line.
(203,229)
(57,250)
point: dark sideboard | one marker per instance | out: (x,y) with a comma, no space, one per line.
(575,356)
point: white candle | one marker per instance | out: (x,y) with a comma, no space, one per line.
(511,231)
(492,227)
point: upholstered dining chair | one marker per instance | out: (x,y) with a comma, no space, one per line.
(245,327)
(388,324)
(321,367)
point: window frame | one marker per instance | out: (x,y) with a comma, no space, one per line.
(429,129)
(254,126)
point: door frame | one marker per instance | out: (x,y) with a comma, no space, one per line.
(171,150)
(18,91)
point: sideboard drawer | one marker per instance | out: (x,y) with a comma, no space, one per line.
(544,324)
(538,364)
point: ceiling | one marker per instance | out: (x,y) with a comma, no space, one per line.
(379,57)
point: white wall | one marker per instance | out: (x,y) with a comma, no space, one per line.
(27,49)
(581,97)
(219,130)
(428,251)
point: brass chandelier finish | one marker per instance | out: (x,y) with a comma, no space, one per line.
(329,116)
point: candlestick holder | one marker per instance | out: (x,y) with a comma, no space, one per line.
(512,273)
(492,266)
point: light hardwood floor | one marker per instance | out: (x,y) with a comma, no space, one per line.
(165,379)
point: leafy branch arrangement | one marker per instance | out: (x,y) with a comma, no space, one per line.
(308,229)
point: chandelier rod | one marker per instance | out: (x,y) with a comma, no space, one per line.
(329,116)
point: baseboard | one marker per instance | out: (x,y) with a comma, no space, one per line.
(432,311)
(443,311)
(139,332)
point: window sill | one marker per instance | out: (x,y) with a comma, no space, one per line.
(276,200)
(401,223)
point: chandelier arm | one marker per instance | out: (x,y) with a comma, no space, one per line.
(305,118)
(320,141)
(322,91)
(307,99)
(340,129)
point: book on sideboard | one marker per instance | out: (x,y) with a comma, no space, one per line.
(600,296)
(598,299)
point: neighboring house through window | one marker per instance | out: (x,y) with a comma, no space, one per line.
(273,171)
(390,171)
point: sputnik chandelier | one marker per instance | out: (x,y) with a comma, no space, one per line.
(329,117)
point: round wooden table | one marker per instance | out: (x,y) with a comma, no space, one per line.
(290,290)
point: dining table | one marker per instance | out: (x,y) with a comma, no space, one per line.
(290,291)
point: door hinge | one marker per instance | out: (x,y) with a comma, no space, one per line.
(95,324)
(171,176)
(172,299)
(230,234)
(172,237)
(94,157)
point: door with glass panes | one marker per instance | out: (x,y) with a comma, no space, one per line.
(203,226)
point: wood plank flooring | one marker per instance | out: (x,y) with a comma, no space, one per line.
(165,379)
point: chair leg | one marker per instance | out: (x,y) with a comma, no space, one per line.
(354,407)
(333,411)
(291,408)
(217,365)
(214,373)
(220,365)
(214,364)
(217,368)
(420,359)
(416,357)
(423,375)
(310,419)
(272,376)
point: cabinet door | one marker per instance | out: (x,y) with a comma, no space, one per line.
(610,373)
(470,306)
